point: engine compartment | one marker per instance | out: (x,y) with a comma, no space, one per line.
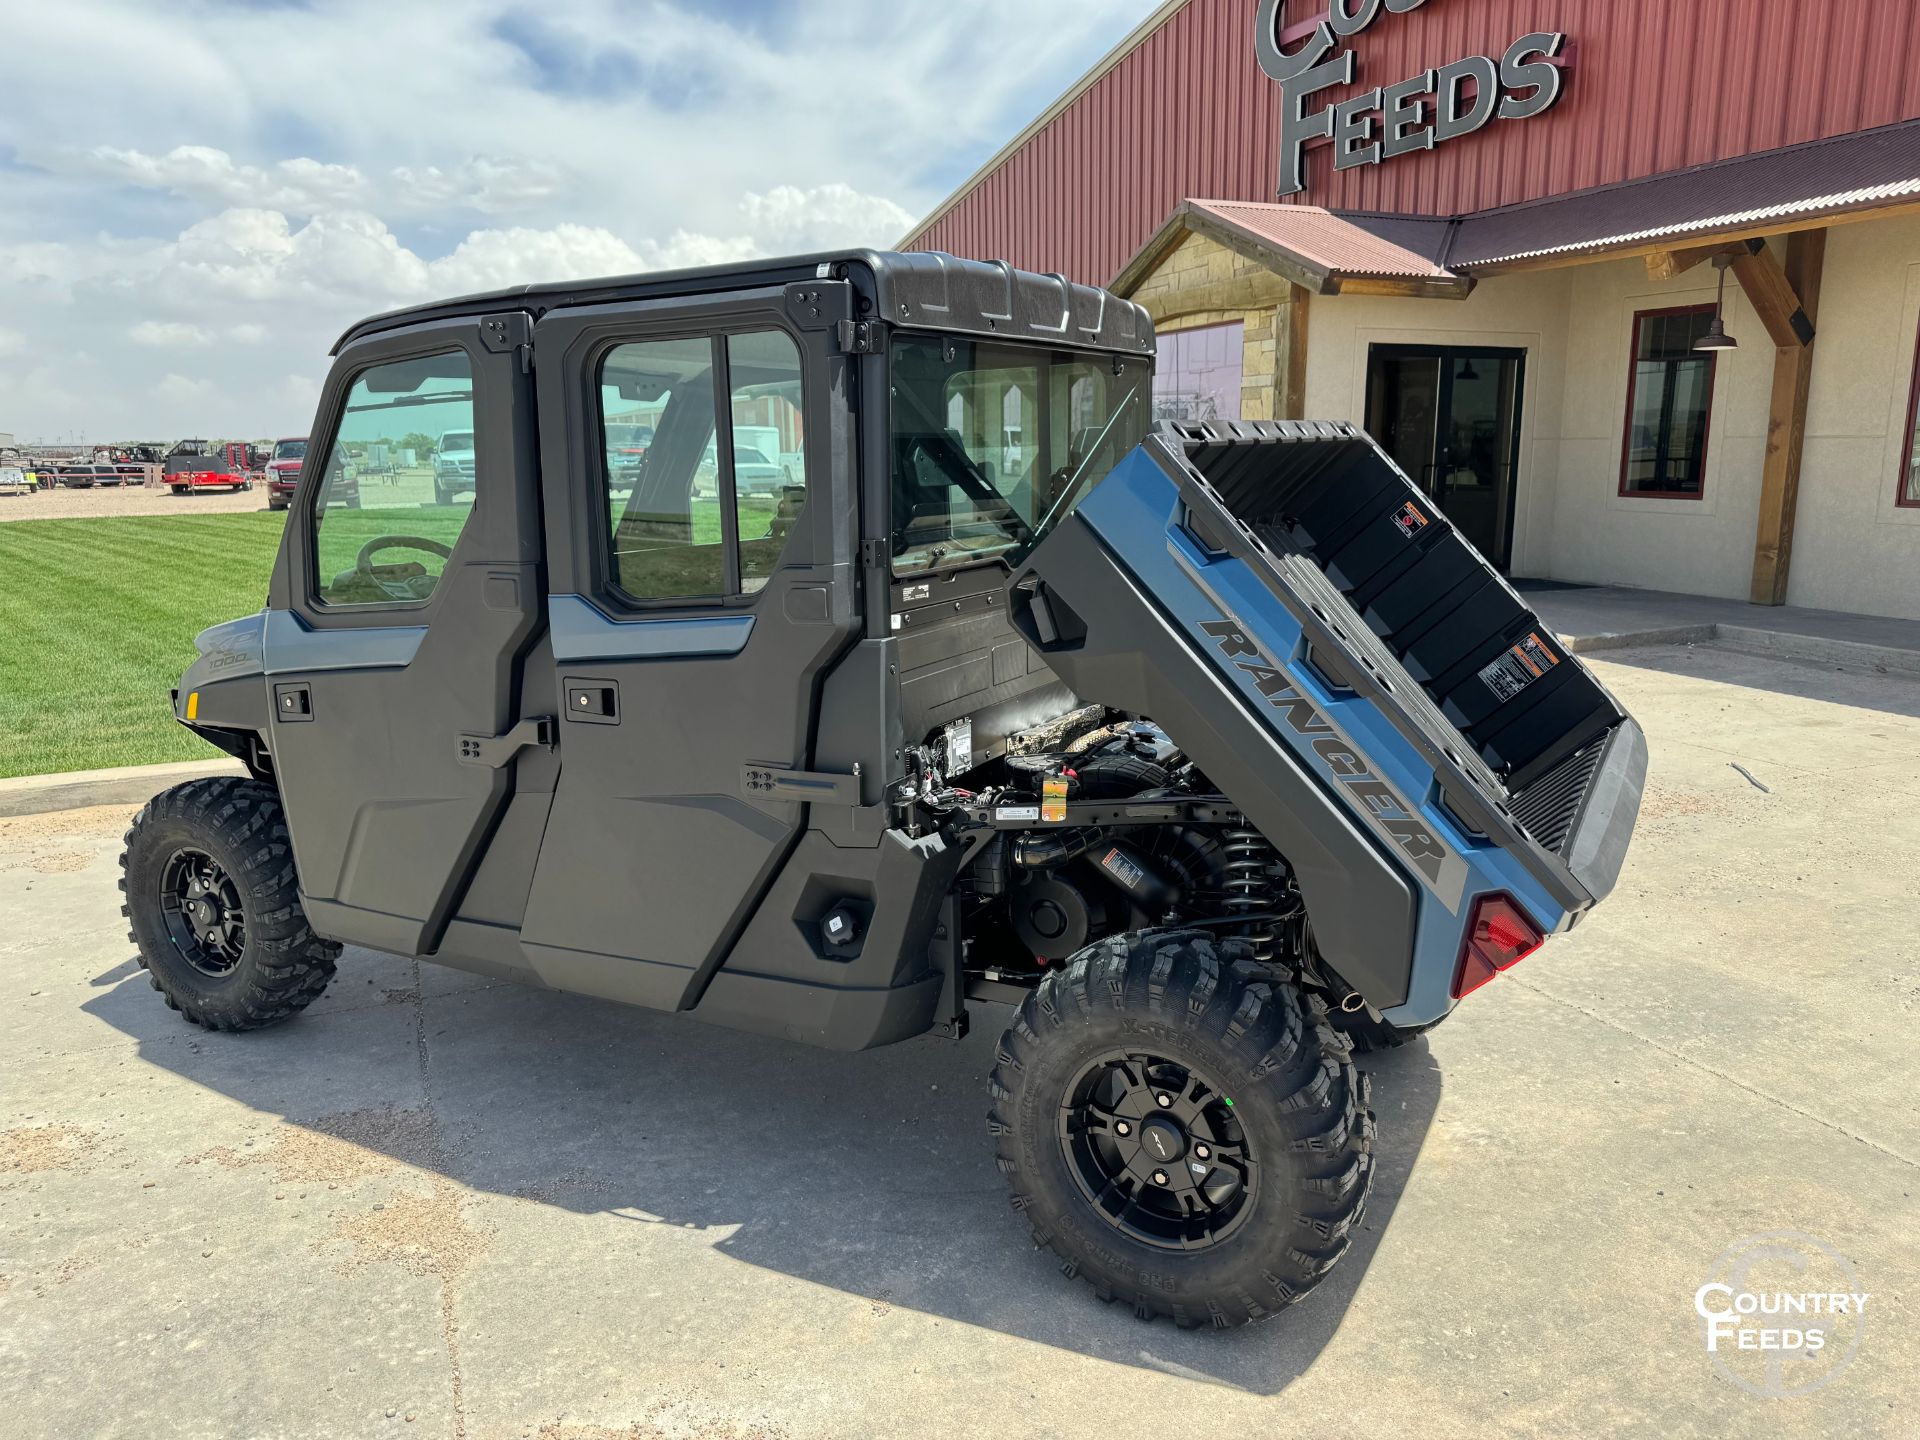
(1110,828)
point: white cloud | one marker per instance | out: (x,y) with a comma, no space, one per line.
(197,193)
(182,389)
(204,173)
(826,215)
(493,259)
(485,183)
(169,334)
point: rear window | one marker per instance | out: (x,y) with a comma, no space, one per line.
(992,444)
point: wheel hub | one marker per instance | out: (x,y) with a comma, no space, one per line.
(1155,1147)
(200,903)
(1163,1140)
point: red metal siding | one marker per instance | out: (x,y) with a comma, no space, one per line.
(1654,85)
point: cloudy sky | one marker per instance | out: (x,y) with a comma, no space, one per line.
(197,197)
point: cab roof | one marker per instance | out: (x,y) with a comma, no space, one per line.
(921,290)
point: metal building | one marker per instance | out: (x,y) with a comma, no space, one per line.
(1632,289)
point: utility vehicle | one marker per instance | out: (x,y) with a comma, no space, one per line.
(1211,748)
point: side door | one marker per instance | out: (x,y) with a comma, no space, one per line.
(397,625)
(701,526)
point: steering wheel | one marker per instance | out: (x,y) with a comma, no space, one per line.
(403,582)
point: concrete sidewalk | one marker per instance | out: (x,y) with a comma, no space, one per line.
(1608,617)
(124,785)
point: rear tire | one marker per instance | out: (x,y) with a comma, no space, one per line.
(214,905)
(1290,1149)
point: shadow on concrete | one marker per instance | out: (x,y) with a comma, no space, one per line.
(871,1173)
(1751,668)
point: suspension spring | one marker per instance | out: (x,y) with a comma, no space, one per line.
(1249,881)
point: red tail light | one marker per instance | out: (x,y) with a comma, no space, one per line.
(1499,936)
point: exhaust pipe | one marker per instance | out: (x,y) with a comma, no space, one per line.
(1354,1003)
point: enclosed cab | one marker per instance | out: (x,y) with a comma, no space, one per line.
(1213,749)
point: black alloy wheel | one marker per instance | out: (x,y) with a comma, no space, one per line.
(1156,1150)
(204,915)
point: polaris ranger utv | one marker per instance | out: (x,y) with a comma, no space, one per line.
(1211,748)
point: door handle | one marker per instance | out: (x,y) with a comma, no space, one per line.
(493,751)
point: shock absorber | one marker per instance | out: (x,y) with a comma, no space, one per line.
(1249,880)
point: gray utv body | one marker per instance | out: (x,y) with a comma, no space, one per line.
(784,810)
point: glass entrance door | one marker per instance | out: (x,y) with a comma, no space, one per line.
(1450,417)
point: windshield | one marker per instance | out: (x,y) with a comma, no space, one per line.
(290,450)
(992,444)
(456,440)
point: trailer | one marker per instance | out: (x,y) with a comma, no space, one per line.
(195,465)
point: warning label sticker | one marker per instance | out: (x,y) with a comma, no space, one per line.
(1411,519)
(1122,869)
(1519,667)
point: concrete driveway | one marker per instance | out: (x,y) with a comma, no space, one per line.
(436,1207)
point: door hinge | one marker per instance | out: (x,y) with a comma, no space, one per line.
(860,337)
(808,787)
(874,554)
(511,330)
(493,751)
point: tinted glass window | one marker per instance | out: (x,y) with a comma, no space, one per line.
(1199,373)
(769,463)
(685,523)
(1670,400)
(382,530)
(992,443)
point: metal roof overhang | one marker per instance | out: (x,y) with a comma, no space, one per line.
(1324,253)
(1848,177)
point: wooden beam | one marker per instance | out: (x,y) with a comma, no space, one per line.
(1774,297)
(1290,357)
(1403,287)
(1253,291)
(1668,264)
(1787,424)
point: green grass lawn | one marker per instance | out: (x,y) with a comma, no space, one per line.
(97,619)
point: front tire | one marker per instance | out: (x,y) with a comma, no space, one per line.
(214,905)
(1183,1128)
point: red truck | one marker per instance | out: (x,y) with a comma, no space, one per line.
(283,476)
(283,470)
(202,465)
